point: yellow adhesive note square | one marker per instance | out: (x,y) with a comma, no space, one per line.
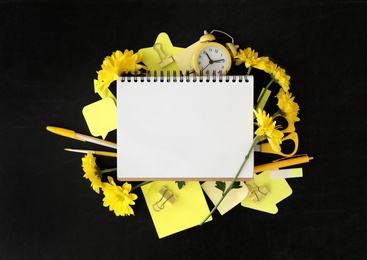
(188,210)
(101,117)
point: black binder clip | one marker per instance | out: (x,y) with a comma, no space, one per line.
(166,197)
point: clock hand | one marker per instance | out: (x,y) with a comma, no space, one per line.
(206,66)
(210,60)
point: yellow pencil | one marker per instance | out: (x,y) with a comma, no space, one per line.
(81,137)
(103,153)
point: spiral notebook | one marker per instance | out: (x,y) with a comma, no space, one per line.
(184,128)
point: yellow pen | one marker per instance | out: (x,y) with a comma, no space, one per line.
(81,137)
(103,153)
(282,163)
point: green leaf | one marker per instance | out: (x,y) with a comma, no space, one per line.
(221,185)
(236,185)
(180,184)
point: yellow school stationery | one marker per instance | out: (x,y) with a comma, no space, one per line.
(234,197)
(159,57)
(282,163)
(81,137)
(188,209)
(101,117)
(286,173)
(265,147)
(192,128)
(102,153)
(165,197)
(278,190)
(264,96)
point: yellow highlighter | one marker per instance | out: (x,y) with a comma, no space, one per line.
(282,163)
(81,137)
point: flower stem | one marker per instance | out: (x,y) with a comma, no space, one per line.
(108,170)
(249,70)
(233,181)
(263,92)
(140,184)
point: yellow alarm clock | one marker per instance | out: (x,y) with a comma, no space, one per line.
(212,58)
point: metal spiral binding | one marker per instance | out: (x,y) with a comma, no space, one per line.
(171,76)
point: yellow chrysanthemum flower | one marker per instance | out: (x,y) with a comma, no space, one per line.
(288,107)
(114,66)
(92,172)
(250,58)
(120,63)
(282,78)
(267,129)
(271,67)
(278,74)
(118,198)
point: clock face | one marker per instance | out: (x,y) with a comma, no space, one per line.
(212,59)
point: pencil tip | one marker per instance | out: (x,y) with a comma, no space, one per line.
(50,128)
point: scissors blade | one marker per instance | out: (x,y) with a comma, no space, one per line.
(257,148)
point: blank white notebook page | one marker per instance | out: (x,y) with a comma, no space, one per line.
(184,130)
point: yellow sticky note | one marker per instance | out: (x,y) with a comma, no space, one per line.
(233,198)
(158,57)
(286,173)
(101,117)
(265,96)
(188,210)
(278,191)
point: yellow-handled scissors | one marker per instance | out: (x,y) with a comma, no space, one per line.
(290,125)
(265,147)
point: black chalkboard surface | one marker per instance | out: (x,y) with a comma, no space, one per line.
(49,55)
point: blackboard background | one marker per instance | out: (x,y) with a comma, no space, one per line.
(49,55)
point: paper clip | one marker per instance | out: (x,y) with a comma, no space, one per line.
(165,59)
(257,193)
(166,196)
